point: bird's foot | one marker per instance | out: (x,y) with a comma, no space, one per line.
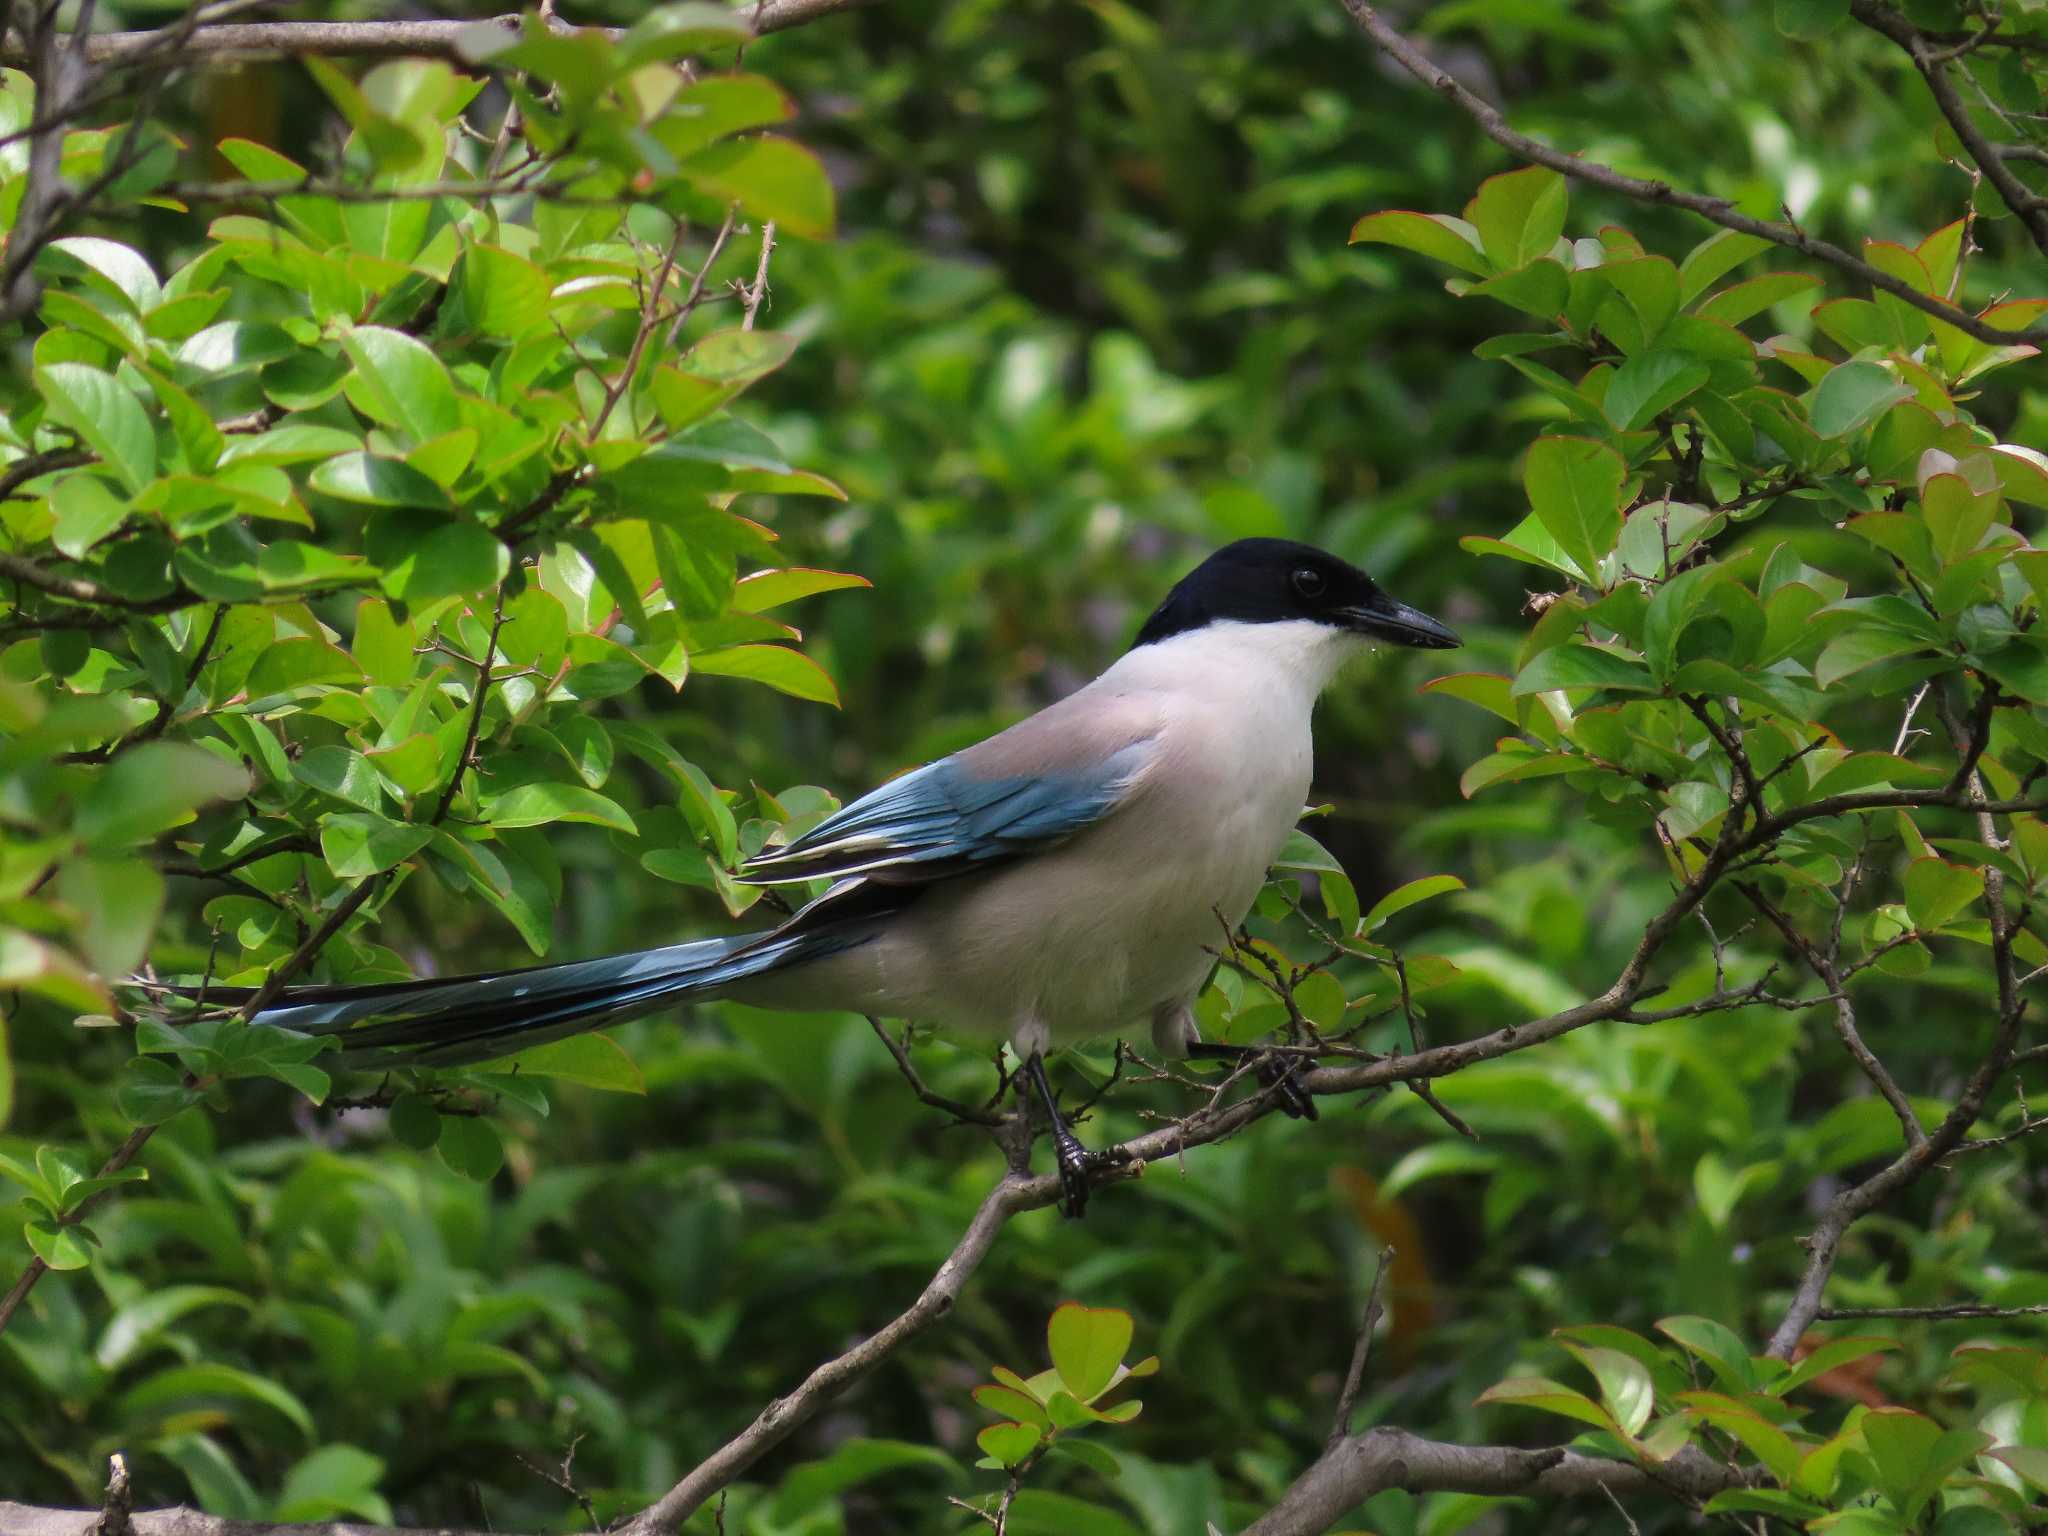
(1074,1162)
(1283,1075)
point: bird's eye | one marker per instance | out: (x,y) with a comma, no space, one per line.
(1309,583)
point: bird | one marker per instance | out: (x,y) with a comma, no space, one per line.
(1056,882)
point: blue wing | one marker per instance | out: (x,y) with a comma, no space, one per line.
(960,813)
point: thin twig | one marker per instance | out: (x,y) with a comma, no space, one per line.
(1361,1354)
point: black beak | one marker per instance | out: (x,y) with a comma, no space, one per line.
(1386,619)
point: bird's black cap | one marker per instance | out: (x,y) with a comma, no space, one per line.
(1270,581)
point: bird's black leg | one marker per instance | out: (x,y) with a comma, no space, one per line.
(1072,1157)
(1277,1072)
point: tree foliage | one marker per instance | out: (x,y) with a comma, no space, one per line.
(401,534)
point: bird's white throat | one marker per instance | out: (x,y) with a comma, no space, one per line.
(1293,659)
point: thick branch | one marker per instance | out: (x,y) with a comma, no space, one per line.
(1717,210)
(1355,1469)
(377,39)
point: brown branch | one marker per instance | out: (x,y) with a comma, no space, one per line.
(374,39)
(35,465)
(1857,1201)
(1845,1014)
(1717,210)
(695,296)
(961,1113)
(1355,1469)
(1933,66)
(1361,1356)
(476,714)
(759,290)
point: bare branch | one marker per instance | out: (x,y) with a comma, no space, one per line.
(1718,210)
(759,289)
(1361,1355)
(1354,1470)
(376,39)
(1845,1015)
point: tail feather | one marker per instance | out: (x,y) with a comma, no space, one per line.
(463,1019)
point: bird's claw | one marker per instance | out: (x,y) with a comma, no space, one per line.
(1074,1161)
(1283,1075)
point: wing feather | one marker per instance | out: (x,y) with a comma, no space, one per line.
(1028,788)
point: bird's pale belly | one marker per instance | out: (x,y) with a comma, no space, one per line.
(1088,939)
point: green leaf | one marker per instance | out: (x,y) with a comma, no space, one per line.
(152,788)
(1650,383)
(1911,1455)
(376,481)
(770,178)
(106,416)
(1087,1345)
(536,805)
(1009,1403)
(1519,214)
(1008,1444)
(1763,1439)
(414,1121)
(1852,396)
(1625,1388)
(358,845)
(399,382)
(135,1324)
(185,1388)
(58,1247)
(87,511)
(498,293)
(1406,896)
(1957,517)
(300,662)
(1828,1357)
(780,668)
(1549,1396)
(1437,1160)
(342,773)
(1937,891)
(1739,301)
(1439,236)
(1583,666)
(1574,487)
(152,1091)
(469,1144)
(717,106)
(114,269)
(427,558)
(1714,1344)
(335,1480)
(1713,259)
(595,1061)
(1808,21)
(117,901)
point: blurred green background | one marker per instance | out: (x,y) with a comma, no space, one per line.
(1090,313)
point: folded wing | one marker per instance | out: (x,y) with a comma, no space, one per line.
(1026,789)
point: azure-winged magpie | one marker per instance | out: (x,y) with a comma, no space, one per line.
(1061,880)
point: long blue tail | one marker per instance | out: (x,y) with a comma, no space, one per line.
(478,1018)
